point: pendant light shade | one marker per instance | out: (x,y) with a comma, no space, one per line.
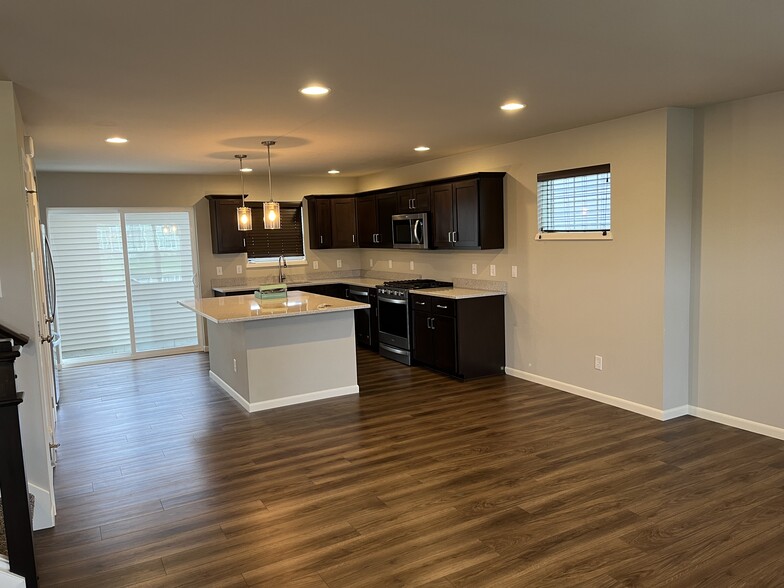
(244,218)
(271,208)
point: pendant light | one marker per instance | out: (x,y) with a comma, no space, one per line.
(271,208)
(244,218)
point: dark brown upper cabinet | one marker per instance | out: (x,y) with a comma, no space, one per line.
(344,222)
(469,214)
(374,219)
(414,200)
(226,237)
(319,222)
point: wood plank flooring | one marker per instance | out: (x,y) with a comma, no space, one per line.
(420,480)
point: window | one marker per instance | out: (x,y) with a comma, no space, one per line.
(119,275)
(574,203)
(266,245)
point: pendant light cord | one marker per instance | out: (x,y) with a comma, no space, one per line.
(242,179)
(269,166)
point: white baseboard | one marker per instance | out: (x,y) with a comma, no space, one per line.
(737,422)
(9,580)
(662,415)
(286,401)
(43,514)
(642,409)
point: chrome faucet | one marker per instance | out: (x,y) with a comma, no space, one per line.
(281,264)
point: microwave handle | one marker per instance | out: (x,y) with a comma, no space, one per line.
(417,225)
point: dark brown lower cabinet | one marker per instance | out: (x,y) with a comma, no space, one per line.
(463,338)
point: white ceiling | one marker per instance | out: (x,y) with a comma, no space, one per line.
(192,82)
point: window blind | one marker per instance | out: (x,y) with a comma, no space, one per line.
(574,200)
(264,243)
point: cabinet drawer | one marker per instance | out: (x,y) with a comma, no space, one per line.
(421,303)
(442,306)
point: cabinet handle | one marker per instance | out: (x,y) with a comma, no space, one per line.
(449,236)
(411,204)
(321,239)
(353,237)
(440,306)
(420,303)
(454,238)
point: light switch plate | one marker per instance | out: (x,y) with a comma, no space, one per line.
(219,270)
(492,269)
(514,271)
(371,262)
(340,263)
(315,265)
(410,265)
(473,268)
(239,269)
(390,264)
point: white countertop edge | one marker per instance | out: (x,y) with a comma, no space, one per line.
(457,293)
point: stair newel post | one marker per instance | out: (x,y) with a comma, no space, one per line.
(13,480)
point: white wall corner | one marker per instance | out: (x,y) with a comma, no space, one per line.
(43,514)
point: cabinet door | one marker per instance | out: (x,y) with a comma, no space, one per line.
(226,238)
(421,199)
(320,223)
(441,203)
(466,207)
(423,338)
(367,221)
(444,343)
(405,201)
(344,223)
(386,206)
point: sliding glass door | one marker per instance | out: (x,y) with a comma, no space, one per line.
(119,275)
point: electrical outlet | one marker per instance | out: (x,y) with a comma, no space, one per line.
(239,269)
(411,265)
(340,263)
(371,262)
(514,271)
(473,268)
(219,270)
(315,265)
(390,264)
(235,365)
(597,362)
(492,269)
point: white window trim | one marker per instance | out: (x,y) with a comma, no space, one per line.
(289,261)
(574,236)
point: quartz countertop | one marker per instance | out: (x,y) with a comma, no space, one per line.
(457,293)
(232,309)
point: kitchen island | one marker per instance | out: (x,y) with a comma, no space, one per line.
(280,351)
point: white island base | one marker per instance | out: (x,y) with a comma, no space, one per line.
(269,360)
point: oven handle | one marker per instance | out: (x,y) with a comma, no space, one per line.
(393,300)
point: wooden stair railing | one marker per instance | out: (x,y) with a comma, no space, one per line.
(13,481)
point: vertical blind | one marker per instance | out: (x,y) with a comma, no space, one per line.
(105,259)
(264,243)
(574,200)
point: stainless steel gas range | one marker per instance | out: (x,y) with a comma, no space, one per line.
(394,317)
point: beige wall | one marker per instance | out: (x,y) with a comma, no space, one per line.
(738,321)
(17,306)
(573,300)
(140,190)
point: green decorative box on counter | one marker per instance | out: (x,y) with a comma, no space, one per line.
(270,291)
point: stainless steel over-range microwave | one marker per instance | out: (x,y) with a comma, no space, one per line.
(410,231)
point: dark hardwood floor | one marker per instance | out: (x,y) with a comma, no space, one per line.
(165,481)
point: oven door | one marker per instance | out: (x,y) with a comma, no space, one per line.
(393,328)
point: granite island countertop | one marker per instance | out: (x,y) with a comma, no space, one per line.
(233,309)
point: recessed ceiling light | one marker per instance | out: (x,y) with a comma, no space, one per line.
(422,148)
(116,140)
(246,169)
(314,90)
(333,171)
(512,106)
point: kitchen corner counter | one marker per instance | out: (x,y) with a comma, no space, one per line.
(233,309)
(457,293)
